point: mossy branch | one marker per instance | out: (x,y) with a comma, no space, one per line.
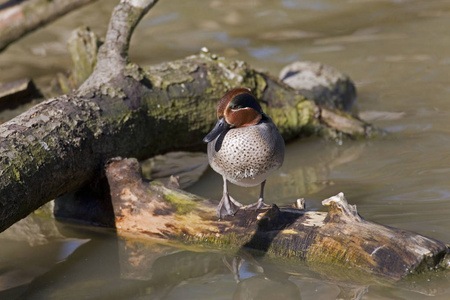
(127,110)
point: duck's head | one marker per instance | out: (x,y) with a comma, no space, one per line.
(238,108)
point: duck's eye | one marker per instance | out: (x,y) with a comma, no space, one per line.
(234,106)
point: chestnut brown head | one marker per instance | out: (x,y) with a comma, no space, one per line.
(237,108)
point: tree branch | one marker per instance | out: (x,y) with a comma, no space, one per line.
(113,54)
(61,144)
(18,18)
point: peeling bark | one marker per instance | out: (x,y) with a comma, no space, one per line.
(339,244)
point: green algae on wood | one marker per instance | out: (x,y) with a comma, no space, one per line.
(123,109)
(337,244)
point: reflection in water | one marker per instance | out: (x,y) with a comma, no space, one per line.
(169,273)
(29,249)
(112,267)
(400,180)
(262,287)
(68,247)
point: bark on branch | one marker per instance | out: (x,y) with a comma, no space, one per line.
(18,18)
(113,55)
(131,111)
(125,110)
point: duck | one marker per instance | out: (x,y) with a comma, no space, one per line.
(244,146)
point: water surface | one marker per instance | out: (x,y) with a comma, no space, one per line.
(397,54)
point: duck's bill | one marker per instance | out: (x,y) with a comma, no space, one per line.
(220,127)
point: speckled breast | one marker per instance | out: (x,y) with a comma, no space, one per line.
(246,156)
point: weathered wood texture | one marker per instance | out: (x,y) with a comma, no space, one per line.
(125,110)
(83,46)
(18,18)
(339,244)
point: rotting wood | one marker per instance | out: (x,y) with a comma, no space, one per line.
(339,244)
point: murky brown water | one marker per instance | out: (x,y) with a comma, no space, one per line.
(397,54)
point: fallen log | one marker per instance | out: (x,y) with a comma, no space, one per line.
(339,245)
(126,110)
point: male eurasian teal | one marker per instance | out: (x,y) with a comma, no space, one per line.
(244,147)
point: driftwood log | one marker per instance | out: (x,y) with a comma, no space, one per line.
(18,18)
(126,110)
(340,245)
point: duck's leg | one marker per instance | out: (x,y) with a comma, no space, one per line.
(260,203)
(227,205)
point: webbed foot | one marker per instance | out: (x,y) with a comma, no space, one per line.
(257,205)
(227,206)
